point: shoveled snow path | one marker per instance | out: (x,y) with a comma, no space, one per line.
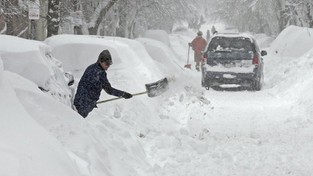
(233,133)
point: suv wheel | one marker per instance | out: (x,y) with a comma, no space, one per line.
(205,85)
(202,83)
(257,83)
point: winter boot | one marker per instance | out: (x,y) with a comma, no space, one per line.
(197,68)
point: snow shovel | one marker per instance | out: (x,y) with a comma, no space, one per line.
(188,65)
(152,89)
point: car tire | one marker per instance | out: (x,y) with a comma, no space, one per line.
(257,83)
(205,85)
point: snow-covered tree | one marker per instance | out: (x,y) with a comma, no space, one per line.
(14,16)
(129,18)
(264,16)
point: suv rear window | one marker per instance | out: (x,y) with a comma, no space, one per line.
(227,43)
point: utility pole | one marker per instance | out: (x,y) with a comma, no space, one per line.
(33,14)
(32,29)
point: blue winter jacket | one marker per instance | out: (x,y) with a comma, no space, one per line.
(89,89)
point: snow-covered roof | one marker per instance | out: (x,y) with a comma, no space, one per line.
(245,35)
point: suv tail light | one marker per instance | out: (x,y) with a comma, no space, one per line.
(256,59)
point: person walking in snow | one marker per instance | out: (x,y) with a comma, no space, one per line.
(208,35)
(198,44)
(213,30)
(92,82)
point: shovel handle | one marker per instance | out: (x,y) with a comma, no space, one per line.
(112,99)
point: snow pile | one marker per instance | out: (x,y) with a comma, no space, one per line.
(290,70)
(37,130)
(77,52)
(33,60)
(106,142)
(90,147)
(292,42)
(24,60)
(163,55)
(26,147)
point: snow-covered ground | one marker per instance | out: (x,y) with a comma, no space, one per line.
(185,131)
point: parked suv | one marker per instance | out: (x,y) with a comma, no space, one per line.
(233,59)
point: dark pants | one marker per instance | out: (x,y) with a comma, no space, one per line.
(197,58)
(84,113)
(84,110)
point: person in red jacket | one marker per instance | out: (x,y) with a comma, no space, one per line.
(198,44)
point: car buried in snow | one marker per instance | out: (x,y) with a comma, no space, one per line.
(34,61)
(233,60)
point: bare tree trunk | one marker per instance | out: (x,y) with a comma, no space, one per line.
(9,18)
(53,17)
(15,18)
(122,31)
(282,14)
(309,14)
(131,29)
(93,30)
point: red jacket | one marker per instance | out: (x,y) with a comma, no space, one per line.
(198,44)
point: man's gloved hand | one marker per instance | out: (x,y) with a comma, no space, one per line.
(127,95)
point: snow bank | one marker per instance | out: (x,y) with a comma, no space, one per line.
(77,52)
(111,143)
(26,148)
(24,60)
(41,136)
(95,147)
(162,54)
(33,61)
(292,42)
(289,67)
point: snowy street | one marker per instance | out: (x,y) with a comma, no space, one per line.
(232,133)
(252,135)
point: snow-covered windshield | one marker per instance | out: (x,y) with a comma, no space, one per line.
(229,44)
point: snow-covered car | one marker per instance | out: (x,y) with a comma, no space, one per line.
(35,62)
(233,60)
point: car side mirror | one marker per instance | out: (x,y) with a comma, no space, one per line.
(70,78)
(263,53)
